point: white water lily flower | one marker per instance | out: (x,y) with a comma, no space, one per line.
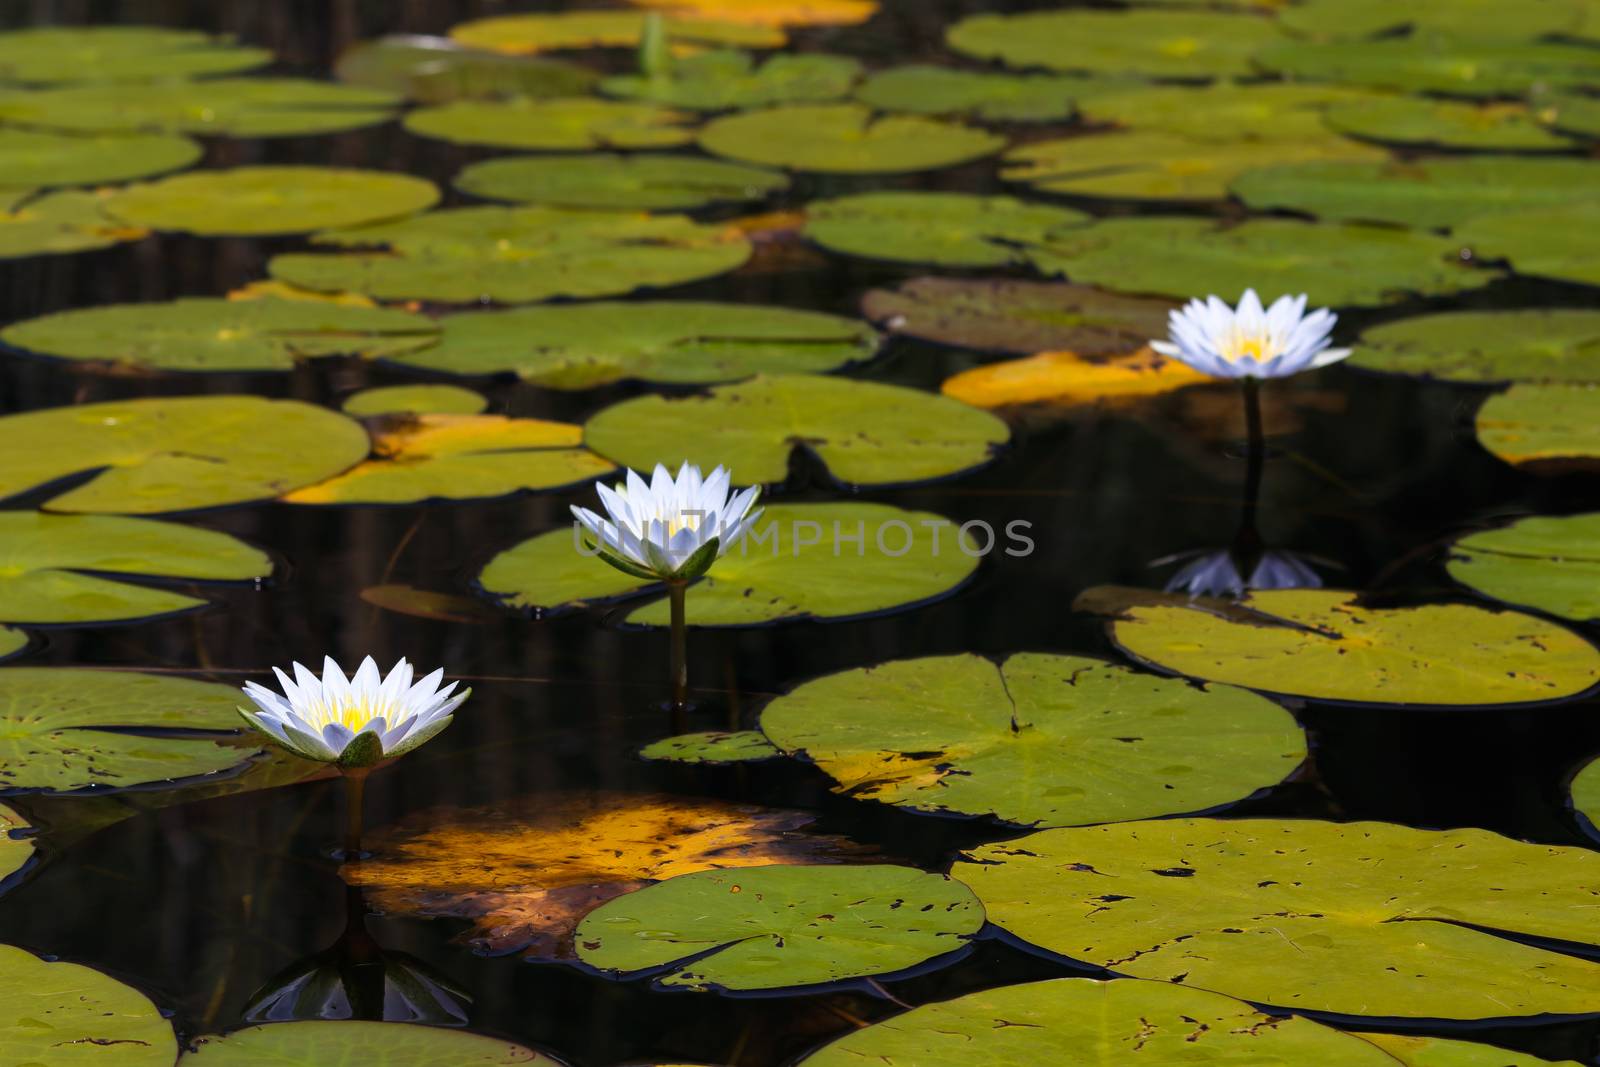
(671,529)
(1251,342)
(327,719)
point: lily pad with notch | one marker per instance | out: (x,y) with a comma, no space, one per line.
(48,224)
(577,123)
(437,70)
(50,1006)
(1532,345)
(1541,424)
(726,80)
(1151,43)
(604,180)
(1545,562)
(1547,243)
(553,32)
(988,96)
(846,139)
(946,229)
(57,55)
(40,158)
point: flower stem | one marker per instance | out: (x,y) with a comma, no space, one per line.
(355,791)
(677,594)
(1247,542)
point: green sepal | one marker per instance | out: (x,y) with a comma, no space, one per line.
(697,565)
(631,569)
(364,750)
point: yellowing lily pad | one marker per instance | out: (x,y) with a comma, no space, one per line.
(1065,379)
(54,1013)
(414,400)
(176,453)
(48,224)
(461,457)
(643,181)
(1322,644)
(54,55)
(1159,44)
(1552,564)
(267,200)
(865,432)
(1486,19)
(71,569)
(437,70)
(1354,918)
(770,927)
(1432,63)
(718,81)
(947,229)
(1036,740)
(527,34)
(1536,423)
(1534,344)
(580,346)
(846,139)
(517,255)
(571,124)
(985,95)
(37,158)
(712,746)
(314,1043)
(1410,120)
(770,12)
(1548,243)
(209,334)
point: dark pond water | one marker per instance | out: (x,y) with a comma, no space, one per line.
(202,905)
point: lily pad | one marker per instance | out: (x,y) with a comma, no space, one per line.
(866,433)
(1415,1051)
(846,139)
(1537,423)
(72,569)
(719,81)
(1534,344)
(65,728)
(16,849)
(1322,644)
(437,70)
(313,1044)
(1552,564)
(580,346)
(1269,111)
(11,642)
(974,94)
(163,454)
(1066,379)
(210,334)
(57,55)
(34,224)
(1157,44)
(1550,243)
(517,255)
(771,927)
(947,229)
(647,182)
(1586,792)
(1002,315)
(1340,265)
(527,34)
(770,12)
(60,1013)
(1575,113)
(566,124)
(1038,740)
(1450,66)
(461,457)
(232,107)
(1352,918)
(1427,193)
(713,746)
(413,400)
(268,200)
(1487,19)
(37,158)
(1419,121)
(785,569)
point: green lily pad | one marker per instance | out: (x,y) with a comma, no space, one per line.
(712,746)
(984,95)
(1575,113)
(580,346)
(785,569)
(646,182)
(1419,121)
(1002,315)
(947,229)
(866,433)
(771,927)
(1538,423)
(1586,792)
(233,107)
(1038,740)
(1322,644)
(1427,193)
(1487,19)
(1414,1051)
(414,400)
(1352,918)
(719,81)
(65,728)
(175,453)
(1340,265)
(210,334)
(33,224)
(1552,564)
(517,255)
(268,200)
(527,34)
(846,139)
(1533,344)
(1549,243)
(71,569)
(567,124)
(1451,66)
(1157,44)
(437,70)
(11,642)
(37,158)
(319,1043)
(1271,111)
(63,1015)
(57,55)
(16,849)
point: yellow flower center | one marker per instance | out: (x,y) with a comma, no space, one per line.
(1254,346)
(352,714)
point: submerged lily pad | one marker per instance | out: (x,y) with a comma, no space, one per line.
(34,224)
(866,433)
(36,158)
(1340,265)
(570,124)
(1533,344)
(1536,423)
(414,400)
(1353,918)
(947,229)
(1552,243)
(67,728)
(580,346)
(461,457)
(210,334)
(1451,66)
(1160,44)
(1066,379)
(646,182)
(1269,111)
(377,1044)
(1409,120)
(1486,19)
(718,81)
(54,1013)
(175,453)
(1552,564)
(268,200)
(75,568)
(57,55)
(527,34)
(16,850)
(712,746)
(846,139)
(770,927)
(1039,740)
(800,561)
(985,95)
(517,255)
(437,70)
(1322,644)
